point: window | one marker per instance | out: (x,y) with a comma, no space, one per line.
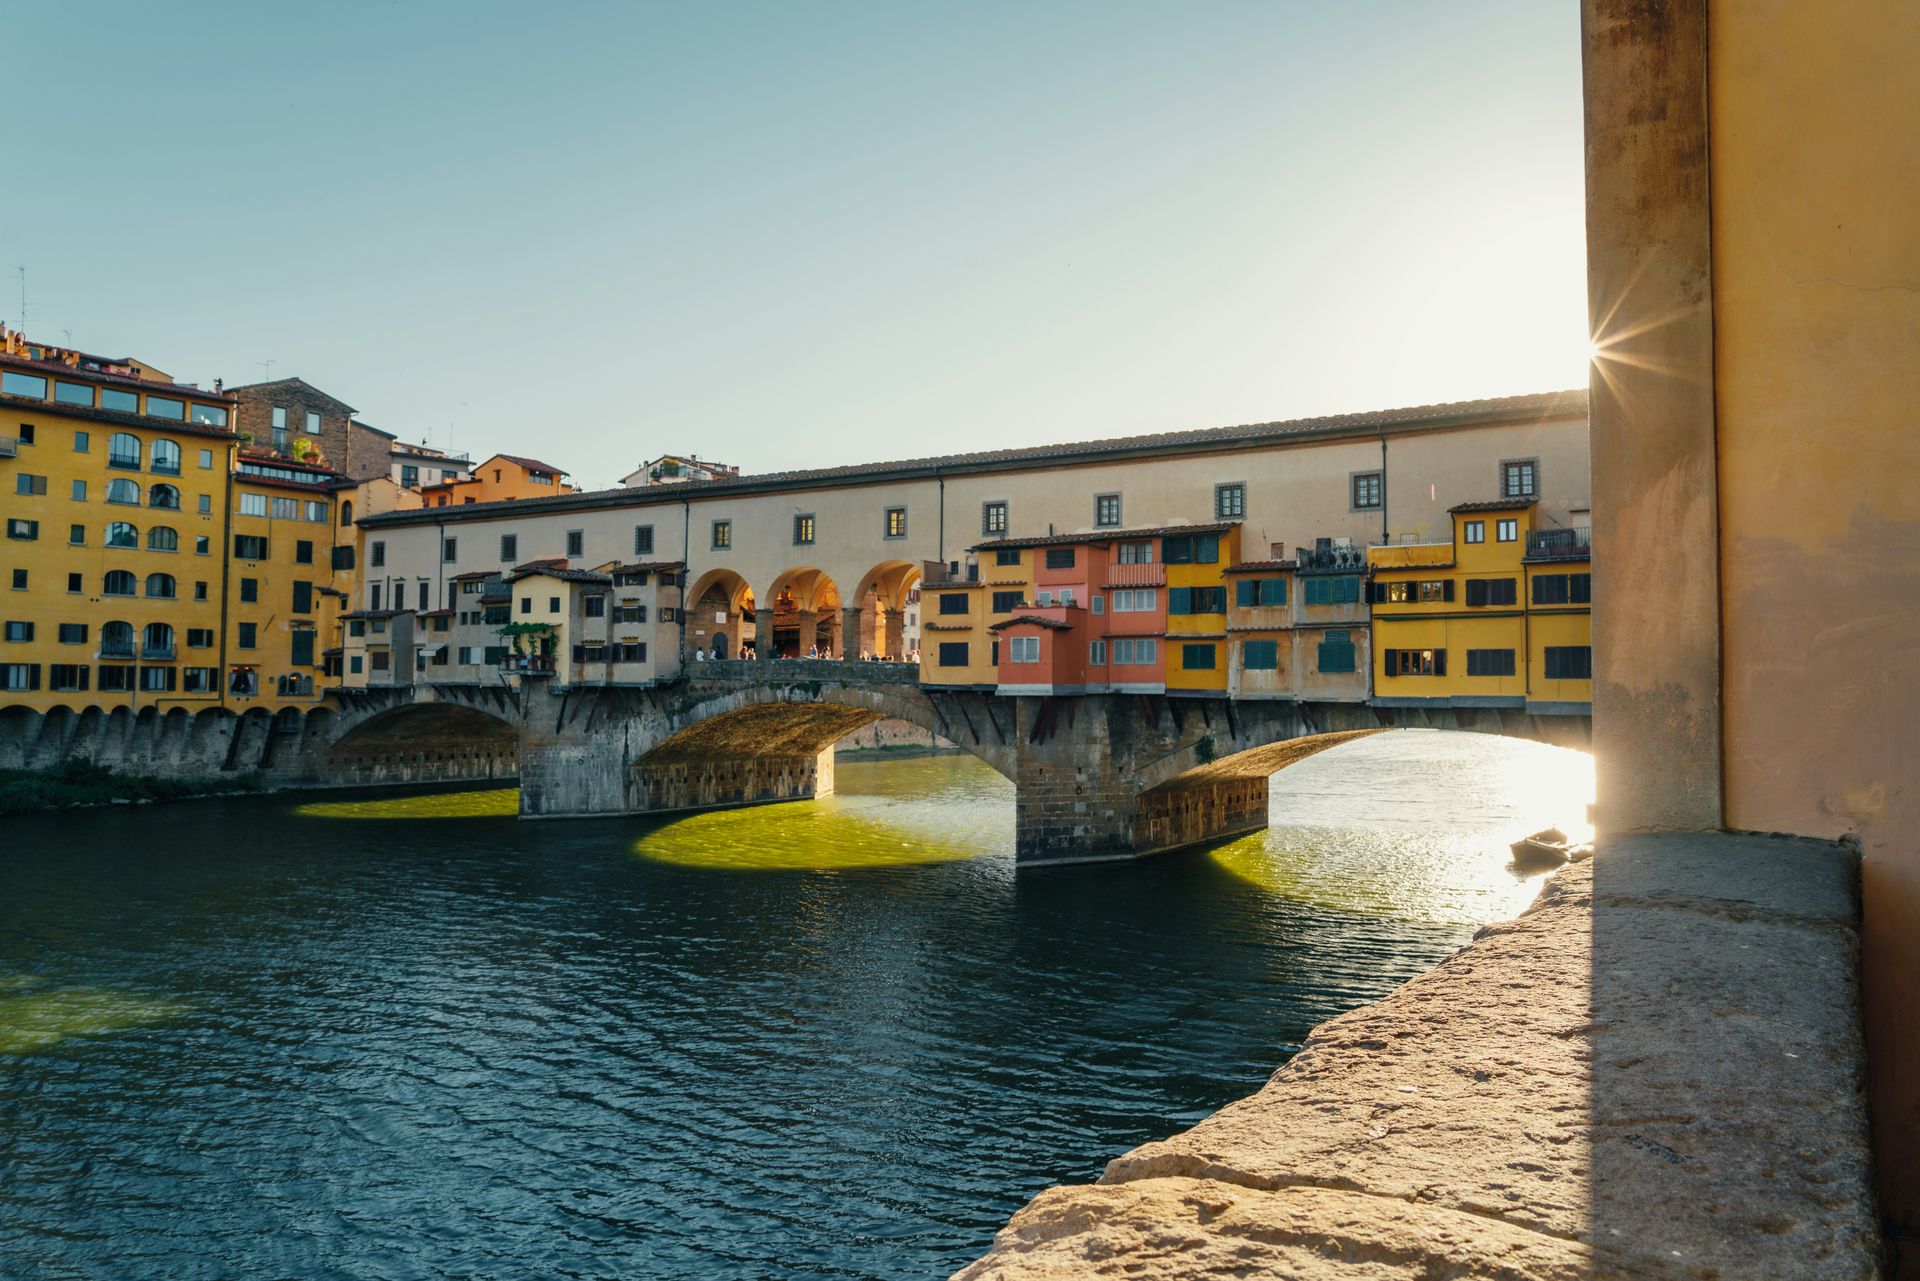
(303,552)
(1507,531)
(73,393)
(356,664)
(249,591)
(400,594)
(82,441)
(1336,653)
(1106,511)
(409,476)
(1260,655)
(953,653)
(1136,600)
(19,675)
(1562,589)
(199,638)
(316,513)
(1520,478)
(121,534)
(803,529)
(1191,549)
(200,591)
(25,531)
(1427,592)
(156,641)
(1229,501)
(286,508)
(1198,658)
(1489,662)
(19,631)
(1007,556)
(576,542)
(19,580)
(1569,662)
(203,545)
(376,554)
(249,635)
(993,517)
(509,547)
(1060,557)
(1140,553)
(1366,491)
(163,538)
(595,607)
(167,497)
(634,613)
(1023,649)
(157,680)
(642,540)
(1097,603)
(1250,593)
(206,460)
(253,504)
(1416,662)
(123,491)
(1097,654)
(165,457)
(313,422)
(1003,602)
(303,597)
(23,385)
(28,484)
(199,680)
(1473,531)
(300,650)
(75,584)
(278,417)
(73,633)
(346,513)
(953,602)
(77,535)
(553,604)
(1491,591)
(79,491)
(116,678)
(249,547)
(1135,650)
(68,676)
(722,534)
(118,582)
(123,450)
(526,604)
(205,504)
(26,434)
(160,586)
(1196,600)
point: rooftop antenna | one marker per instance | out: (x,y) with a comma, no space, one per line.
(268,366)
(23,298)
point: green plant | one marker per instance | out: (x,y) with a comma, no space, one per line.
(303,449)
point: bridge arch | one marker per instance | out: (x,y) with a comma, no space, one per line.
(876,613)
(806,604)
(720,611)
(423,741)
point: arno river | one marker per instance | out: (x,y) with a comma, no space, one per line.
(413,1037)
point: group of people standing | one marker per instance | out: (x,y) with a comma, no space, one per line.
(718,651)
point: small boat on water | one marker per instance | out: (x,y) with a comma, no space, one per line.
(1548,847)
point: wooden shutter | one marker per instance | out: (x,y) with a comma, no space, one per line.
(1439,662)
(1246,593)
(1446,590)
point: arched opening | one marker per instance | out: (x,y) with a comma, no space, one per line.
(165,497)
(426,742)
(806,614)
(720,615)
(883,600)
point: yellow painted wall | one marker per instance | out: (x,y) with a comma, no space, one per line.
(937,628)
(272,611)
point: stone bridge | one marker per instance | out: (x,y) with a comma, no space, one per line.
(1096,776)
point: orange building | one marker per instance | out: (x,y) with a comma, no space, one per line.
(500,478)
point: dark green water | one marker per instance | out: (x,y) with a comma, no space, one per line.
(374,1039)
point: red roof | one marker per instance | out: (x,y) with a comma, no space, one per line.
(532,464)
(1051,624)
(1494,505)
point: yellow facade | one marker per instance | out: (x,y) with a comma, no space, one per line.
(113,489)
(284,591)
(956,647)
(1196,658)
(1465,624)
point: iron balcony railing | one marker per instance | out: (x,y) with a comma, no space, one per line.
(9,446)
(110,649)
(1559,544)
(1331,560)
(157,653)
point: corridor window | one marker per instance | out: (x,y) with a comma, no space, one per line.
(722,534)
(1106,511)
(576,542)
(1367,490)
(1023,649)
(1260,655)
(1490,662)
(1520,478)
(509,547)
(1229,501)
(1569,662)
(376,554)
(993,517)
(896,522)
(1198,658)
(449,550)
(803,529)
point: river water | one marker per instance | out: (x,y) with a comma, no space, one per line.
(400,1037)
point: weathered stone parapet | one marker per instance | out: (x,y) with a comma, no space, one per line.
(1654,1072)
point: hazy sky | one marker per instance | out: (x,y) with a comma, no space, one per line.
(806,234)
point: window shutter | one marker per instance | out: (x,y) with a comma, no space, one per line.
(1389,663)
(1446,591)
(1244,592)
(1439,662)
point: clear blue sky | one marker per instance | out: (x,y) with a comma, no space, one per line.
(806,233)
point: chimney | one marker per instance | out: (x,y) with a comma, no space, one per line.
(1277,551)
(219,384)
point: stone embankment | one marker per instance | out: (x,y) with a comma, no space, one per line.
(1656,1071)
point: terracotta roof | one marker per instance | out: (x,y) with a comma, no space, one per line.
(1494,505)
(375,613)
(436,613)
(475,574)
(1051,624)
(166,426)
(532,464)
(1540,407)
(559,562)
(1251,566)
(1104,536)
(644,567)
(75,373)
(561,573)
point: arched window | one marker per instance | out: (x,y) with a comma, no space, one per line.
(160,586)
(116,640)
(125,491)
(162,538)
(120,582)
(121,534)
(156,641)
(123,450)
(165,497)
(346,513)
(166,457)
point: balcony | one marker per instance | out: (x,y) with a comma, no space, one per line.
(122,650)
(1332,559)
(158,653)
(1150,575)
(9,446)
(527,664)
(1560,544)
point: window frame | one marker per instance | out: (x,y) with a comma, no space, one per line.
(1238,490)
(1377,479)
(1106,511)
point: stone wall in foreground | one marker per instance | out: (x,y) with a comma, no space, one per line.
(1655,1072)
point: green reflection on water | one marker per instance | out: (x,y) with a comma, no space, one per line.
(501,802)
(934,809)
(34,1016)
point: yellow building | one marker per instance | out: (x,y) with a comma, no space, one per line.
(498,479)
(290,572)
(1196,566)
(1499,617)
(113,490)
(956,646)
